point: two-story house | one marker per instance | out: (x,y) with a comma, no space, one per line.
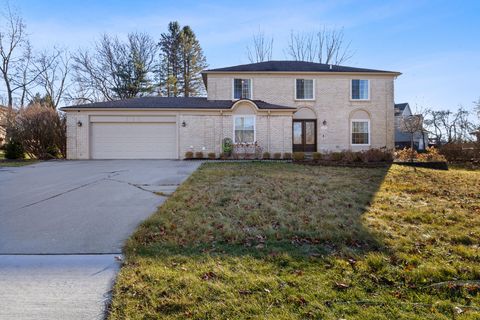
(284,106)
(403,139)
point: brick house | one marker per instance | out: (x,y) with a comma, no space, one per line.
(284,106)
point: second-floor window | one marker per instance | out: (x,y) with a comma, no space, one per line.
(360,89)
(304,89)
(242,89)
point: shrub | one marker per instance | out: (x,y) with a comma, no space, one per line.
(224,156)
(199,155)
(299,156)
(461,152)
(317,156)
(14,149)
(287,156)
(266,155)
(431,155)
(211,155)
(277,156)
(405,154)
(335,156)
(227,146)
(376,155)
(247,151)
(188,155)
(351,156)
(42,131)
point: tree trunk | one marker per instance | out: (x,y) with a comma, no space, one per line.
(411,147)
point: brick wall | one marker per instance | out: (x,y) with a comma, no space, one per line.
(332,103)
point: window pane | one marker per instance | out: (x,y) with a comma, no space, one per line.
(248,123)
(237,87)
(360,89)
(355,89)
(300,89)
(242,89)
(297,133)
(360,134)
(308,93)
(364,89)
(244,129)
(238,123)
(304,89)
(309,133)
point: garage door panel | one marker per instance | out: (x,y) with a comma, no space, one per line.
(133,140)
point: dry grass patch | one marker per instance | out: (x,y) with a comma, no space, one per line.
(283,241)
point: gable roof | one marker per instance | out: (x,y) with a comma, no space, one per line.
(400,107)
(294,66)
(200,103)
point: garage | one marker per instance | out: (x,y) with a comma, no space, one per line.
(133,137)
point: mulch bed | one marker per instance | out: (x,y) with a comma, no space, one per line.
(440,165)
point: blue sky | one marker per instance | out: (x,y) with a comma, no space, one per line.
(435,44)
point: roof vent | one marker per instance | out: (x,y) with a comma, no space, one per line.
(330,66)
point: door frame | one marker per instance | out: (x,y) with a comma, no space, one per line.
(303,147)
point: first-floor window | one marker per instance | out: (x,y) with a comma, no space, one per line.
(360,132)
(244,127)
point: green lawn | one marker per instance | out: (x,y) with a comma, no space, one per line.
(285,241)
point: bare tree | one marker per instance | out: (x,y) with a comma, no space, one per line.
(448,126)
(54,70)
(261,48)
(17,62)
(325,46)
(115,69)
(412,125)
(13,41)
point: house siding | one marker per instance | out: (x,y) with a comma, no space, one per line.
(203,131)
(332,103)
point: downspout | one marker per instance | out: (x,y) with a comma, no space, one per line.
(268,131)
(221,132)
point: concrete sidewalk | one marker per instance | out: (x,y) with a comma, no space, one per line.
(55,286)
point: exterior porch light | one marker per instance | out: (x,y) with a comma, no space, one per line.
(324,122)
(184,124)
(79,123)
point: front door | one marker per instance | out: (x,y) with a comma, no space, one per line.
(304,135)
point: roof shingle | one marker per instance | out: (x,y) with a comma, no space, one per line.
(171,103)
(294,66)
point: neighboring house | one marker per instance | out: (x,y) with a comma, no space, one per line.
(284,106)
(3,124)
(402,139)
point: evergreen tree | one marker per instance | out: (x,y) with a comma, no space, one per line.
(182,60)
(193,62)
(170,60)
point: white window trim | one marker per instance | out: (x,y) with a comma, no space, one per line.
(369,133)
(233,88)
(295,89)
(351,90)
(254,125)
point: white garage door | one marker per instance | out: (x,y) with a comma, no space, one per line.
(133,140)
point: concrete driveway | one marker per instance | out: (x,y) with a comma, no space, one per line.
(62,227)
(74,207)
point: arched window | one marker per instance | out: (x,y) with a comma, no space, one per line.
(360,131)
